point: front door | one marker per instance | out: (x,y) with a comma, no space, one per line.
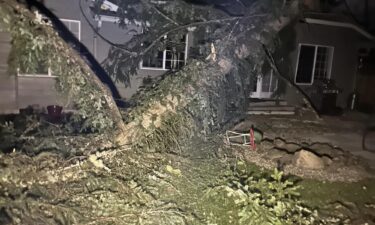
(265,86)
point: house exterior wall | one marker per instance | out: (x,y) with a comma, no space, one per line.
(344,63)
(137,81)
(70,9)
(37,91)
(98,47)
(21,91)
(312,4)
(8,102)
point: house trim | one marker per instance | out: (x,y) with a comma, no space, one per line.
(48,75)
(330,62)
(340,24)
(152,68)
(36,75)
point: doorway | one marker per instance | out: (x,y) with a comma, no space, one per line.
(265,86)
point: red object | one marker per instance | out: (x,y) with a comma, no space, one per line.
(252,140)
(54,113)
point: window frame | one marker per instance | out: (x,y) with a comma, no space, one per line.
(163,68)
(331,50)
(70,21)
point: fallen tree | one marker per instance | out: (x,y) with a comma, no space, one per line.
(208,93)
(139,182)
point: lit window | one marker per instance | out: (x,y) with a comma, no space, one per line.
(314,63)
(172,58)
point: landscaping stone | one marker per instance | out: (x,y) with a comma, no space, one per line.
(327,161)
(308,160)
(275,153)
(325,149)
(266,145)
(292,147)
(286,159)
(279,142)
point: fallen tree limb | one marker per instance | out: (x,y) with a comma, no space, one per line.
(289,81)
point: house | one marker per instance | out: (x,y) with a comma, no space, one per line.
(327,55)
(97,31)
(329,58)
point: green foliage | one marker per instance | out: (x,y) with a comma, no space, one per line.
(29,47)
(36,46)
(174,128)
(92,105)
(258,200)
(176,113)
(157,19)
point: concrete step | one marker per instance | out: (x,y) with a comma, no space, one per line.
(271,107)
(268,103)
(271,112)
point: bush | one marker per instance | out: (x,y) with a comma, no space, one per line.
(247,199)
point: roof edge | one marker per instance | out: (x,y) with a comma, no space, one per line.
(341,24)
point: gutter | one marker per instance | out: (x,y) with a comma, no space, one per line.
(341,24)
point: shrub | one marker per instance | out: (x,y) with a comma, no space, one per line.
(263,200)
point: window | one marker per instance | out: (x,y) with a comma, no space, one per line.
(42,69)
(314,63)
(172,58)
(74,26)
(154,60)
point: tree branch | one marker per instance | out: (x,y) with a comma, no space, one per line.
(197,24)
(273,64)
(145,2)
(165,16)
(102,37)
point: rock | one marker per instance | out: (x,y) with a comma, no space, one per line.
(327,161)
(286,159)
(292,147)
(275,154)
(279,142)
(307,160)
(265,145)
(336,159)
(325,149)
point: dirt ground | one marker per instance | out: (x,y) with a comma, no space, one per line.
(344,132)
(130,186)
(345,189)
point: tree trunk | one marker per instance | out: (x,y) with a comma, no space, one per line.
(211,94)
